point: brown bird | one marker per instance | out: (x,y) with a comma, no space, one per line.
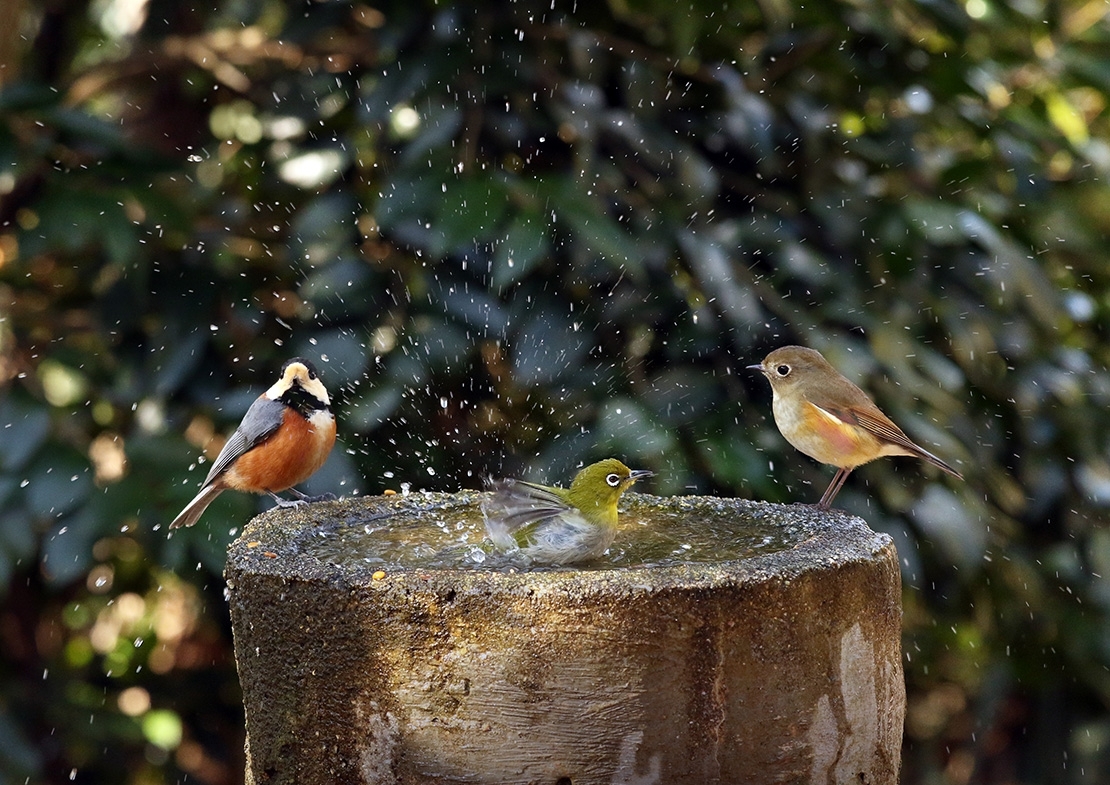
(284,437)
(831,420)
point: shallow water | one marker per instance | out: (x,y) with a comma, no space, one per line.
(432,533)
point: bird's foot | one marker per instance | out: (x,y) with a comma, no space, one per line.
(285,503)
(323,497)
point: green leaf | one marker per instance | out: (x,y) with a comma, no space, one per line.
(17,535)
(341,353)
(524,246)
(582,214)
(470,211)
(732,460)
(67,549)
(19,758)
(677,395)
(175,365)
(624,426)
(549,345)
(475,307)
(24,428)
(322,229)
(369,411)
(59,481)
(21,96)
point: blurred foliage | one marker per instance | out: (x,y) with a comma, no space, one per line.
(522,236)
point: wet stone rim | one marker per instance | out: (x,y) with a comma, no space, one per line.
(273,543)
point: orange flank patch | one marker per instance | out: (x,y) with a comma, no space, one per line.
(830,440)
(290,456)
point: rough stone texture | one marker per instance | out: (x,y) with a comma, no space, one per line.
(782,668)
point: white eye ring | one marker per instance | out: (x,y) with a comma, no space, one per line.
(783,370)
(613,480)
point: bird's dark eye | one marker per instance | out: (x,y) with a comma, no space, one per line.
(783,370)
(613,479)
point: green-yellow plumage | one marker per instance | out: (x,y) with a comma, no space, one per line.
(553,525)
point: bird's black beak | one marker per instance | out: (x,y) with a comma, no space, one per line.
(639,474)
(754,368)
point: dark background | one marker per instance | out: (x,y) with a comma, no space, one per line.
(522,236)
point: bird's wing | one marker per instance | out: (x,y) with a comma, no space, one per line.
(855,407)
(539,522)
(259,423)
(880,425)
(874,421)
(889,432)
(515,503)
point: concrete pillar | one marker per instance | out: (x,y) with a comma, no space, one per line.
(780,667)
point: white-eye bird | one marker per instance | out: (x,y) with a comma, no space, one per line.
(551,525)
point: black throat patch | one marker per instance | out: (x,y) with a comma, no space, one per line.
(302,402)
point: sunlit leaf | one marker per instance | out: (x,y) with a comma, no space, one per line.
(162,728)
(1066,118)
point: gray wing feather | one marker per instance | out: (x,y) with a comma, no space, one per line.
(259,423)
(544,528)
(514,504)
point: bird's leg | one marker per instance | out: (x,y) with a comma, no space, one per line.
(834,488)
(323,497)
(301,498)
(287,502)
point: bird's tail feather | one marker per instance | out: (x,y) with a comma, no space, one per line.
(928,457)
(194,509)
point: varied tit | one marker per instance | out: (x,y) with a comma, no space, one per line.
(284,437)
(559,525)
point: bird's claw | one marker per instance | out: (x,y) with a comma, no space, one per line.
(290,502)
(323,497)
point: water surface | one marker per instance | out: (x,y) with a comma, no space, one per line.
(446,531)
